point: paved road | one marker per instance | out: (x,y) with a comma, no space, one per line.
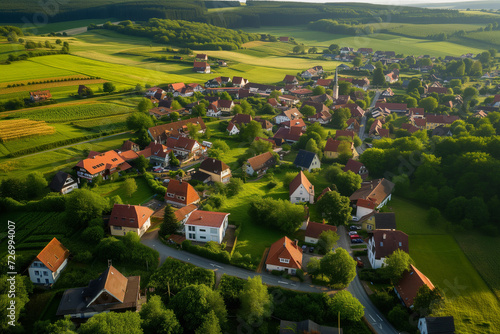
(362,128)
(79,143)
(374,317)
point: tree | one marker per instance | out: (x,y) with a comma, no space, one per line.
(83,205)
(61,326)
(470,93)
(399,317)
(335,208)
(199,110)
(144,105)
(156,318)
(35,184)
(170,224)
(308,110)
(113,322)
(141,163)
(318,90)
(344,302)
(174,116)
(234,186)
(429,104)
(433,216)
(210,325)
(251,130)
(129,187)
(326,241)
(314,266)
(13,187)
(357,61)
(427,301)
(108,87)
(256,302)
(138,121)
(339,267)
(93,234)
(172,159)
(378,77)
(312,146)
(396,264)
(193,302)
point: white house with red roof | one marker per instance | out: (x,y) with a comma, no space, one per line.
(201,67)
(364,207)
(232,129)
(206,226)
(181,193)
(129,218)
(103,164)
(314,230)
(408,286)
(383,243)
(301,190)
(284,255)
(49,263)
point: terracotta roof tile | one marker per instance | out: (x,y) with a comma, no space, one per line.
(298,180)
(126,215)
(182,189)
(286,249)
(409,284)
(53,255)
(314,230)
(260,161)
(206,218)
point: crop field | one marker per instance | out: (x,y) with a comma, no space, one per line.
(50,85)
(48,163)
(491,38)
(71,113)
(29,70)
(21,128)
(423,30)
(483,252)
(385,42)
(103,123)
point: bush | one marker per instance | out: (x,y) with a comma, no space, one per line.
(211,250)
(93,234)
(276,272)
(372,275)
(83,257)
(272,184)
(360,253)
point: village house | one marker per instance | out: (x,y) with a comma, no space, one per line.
(259,164)
(284,255)
(201,67)
(299,123)
(184,147)
(357,168)
(349,134)
(436,325)
(129,218)
(110,292)
(301,93)
(365,51)
(183,214)
(239,82)
(232,129)
(387,93)
(290,80)
(391,77)
(103,164)
(160,133)
(301,190)
(331,150)
(288,115)
(408,286)
(361,83)
(154,92)
(314,230)
(377,191)
(201,57)
(307,160)
(283,39)
(325,83)
(264,123)
(353,125)
(290,135)
(157,154)
(393,107)
(380,221)
(180,194)
(409,127)
(130,145)
(322,117)
(49,263)
(203,226)
(216,169)
(377,131)
(383,243)
(63,183)
(40,95)
(213,110)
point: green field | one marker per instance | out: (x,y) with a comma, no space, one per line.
(111,189)
(422,30)
(384,42)
(440,258)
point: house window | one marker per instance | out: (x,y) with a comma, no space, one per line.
(284,260)
(38,280)
(213,231)
(170,195)
(400,244)
(203,237)
(37,272)
(192,236)
(202,230)
(45,273)
(35,264)
(381,244)
(191,228)
(117,227)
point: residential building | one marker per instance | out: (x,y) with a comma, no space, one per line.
(49,263)
(325,83)
(130,145)
(103,164)
(63,183)
(408,286)
(378,191)
(290,80)
(284,255)
(129,218)
(184,147)
(290,135)
(183,214)
(380,221)
(314,230)
(239,82)
(364,208)
(322,117)
(436,325)
(393,107)
(201,57)
(181,193)
(40,95)
(332,148)
(160,133)
(345,133)
(216,169)
(307,160)
(201,67)
(232,129)
(110,292)
(383,243)
(259,164)
(357,168)
(301,190)
(206,226)
(240,119)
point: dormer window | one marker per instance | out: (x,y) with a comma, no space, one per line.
(284,260)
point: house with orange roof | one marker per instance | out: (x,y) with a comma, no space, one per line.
(408,286)
(383,243)
(206,226)
(378,191)
(161,133)
(40,95)
(103,164)
(180,194)
(288,115)
(49,263)
(301,190)
(183,214)
(259,164)
(284,255)
(201,67)
(314,230)
(110,292)
(129,218)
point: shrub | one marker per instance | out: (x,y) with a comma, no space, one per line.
(83,257)
(276,272)
(211,250)
(93,234)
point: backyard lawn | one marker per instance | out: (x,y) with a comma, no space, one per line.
(111,189)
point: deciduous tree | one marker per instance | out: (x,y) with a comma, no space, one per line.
(335,208)
(339,267)
(256,302)
(395,265)
(129,187)
(156,319)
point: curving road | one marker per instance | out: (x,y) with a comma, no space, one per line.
(372,315)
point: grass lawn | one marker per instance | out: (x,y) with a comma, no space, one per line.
(111,189)
(411,218)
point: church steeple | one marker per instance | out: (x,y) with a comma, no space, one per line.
(336,85)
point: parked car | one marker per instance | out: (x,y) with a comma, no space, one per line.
(354,227)
(355,236)
(311,249)
(357,241)
(353,232)
(355,219)
(359,262)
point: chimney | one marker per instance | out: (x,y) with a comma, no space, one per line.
(296,242)
(384,237)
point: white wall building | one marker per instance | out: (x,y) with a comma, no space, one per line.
(206,226)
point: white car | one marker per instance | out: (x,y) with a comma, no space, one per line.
(355,219)
(353,232)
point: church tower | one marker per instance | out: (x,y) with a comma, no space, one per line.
(336,86)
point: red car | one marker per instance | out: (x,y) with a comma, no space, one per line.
(355,236)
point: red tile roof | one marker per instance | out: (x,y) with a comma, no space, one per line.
(129,155)
(285,248)
(441,119)
(324,82)
(409,284)
(300,179)
(99,162)
(420,122)
(184,211)
(260,161)
(127,215)
(183,189)
(241,119)
(173,129)
(206,218)
(439,90)
(365,203)
(53,255)
(387,242)
(292,134)
(332,145)
(314,230)
(353,165)
(376,190)
(296,122)
(391,106)
(177,86)
(301,91)
(200,64)
(356,111)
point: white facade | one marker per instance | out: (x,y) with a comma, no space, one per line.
(375,263)
(206,233)
(362,211)
(213,113)
(315,163)
(120,230)
(249,170)
(234,130)
(40,274)
(310,240)
(289,270)
(281,119)
(422,326)
(302,195)
(384,202)
(69,185)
